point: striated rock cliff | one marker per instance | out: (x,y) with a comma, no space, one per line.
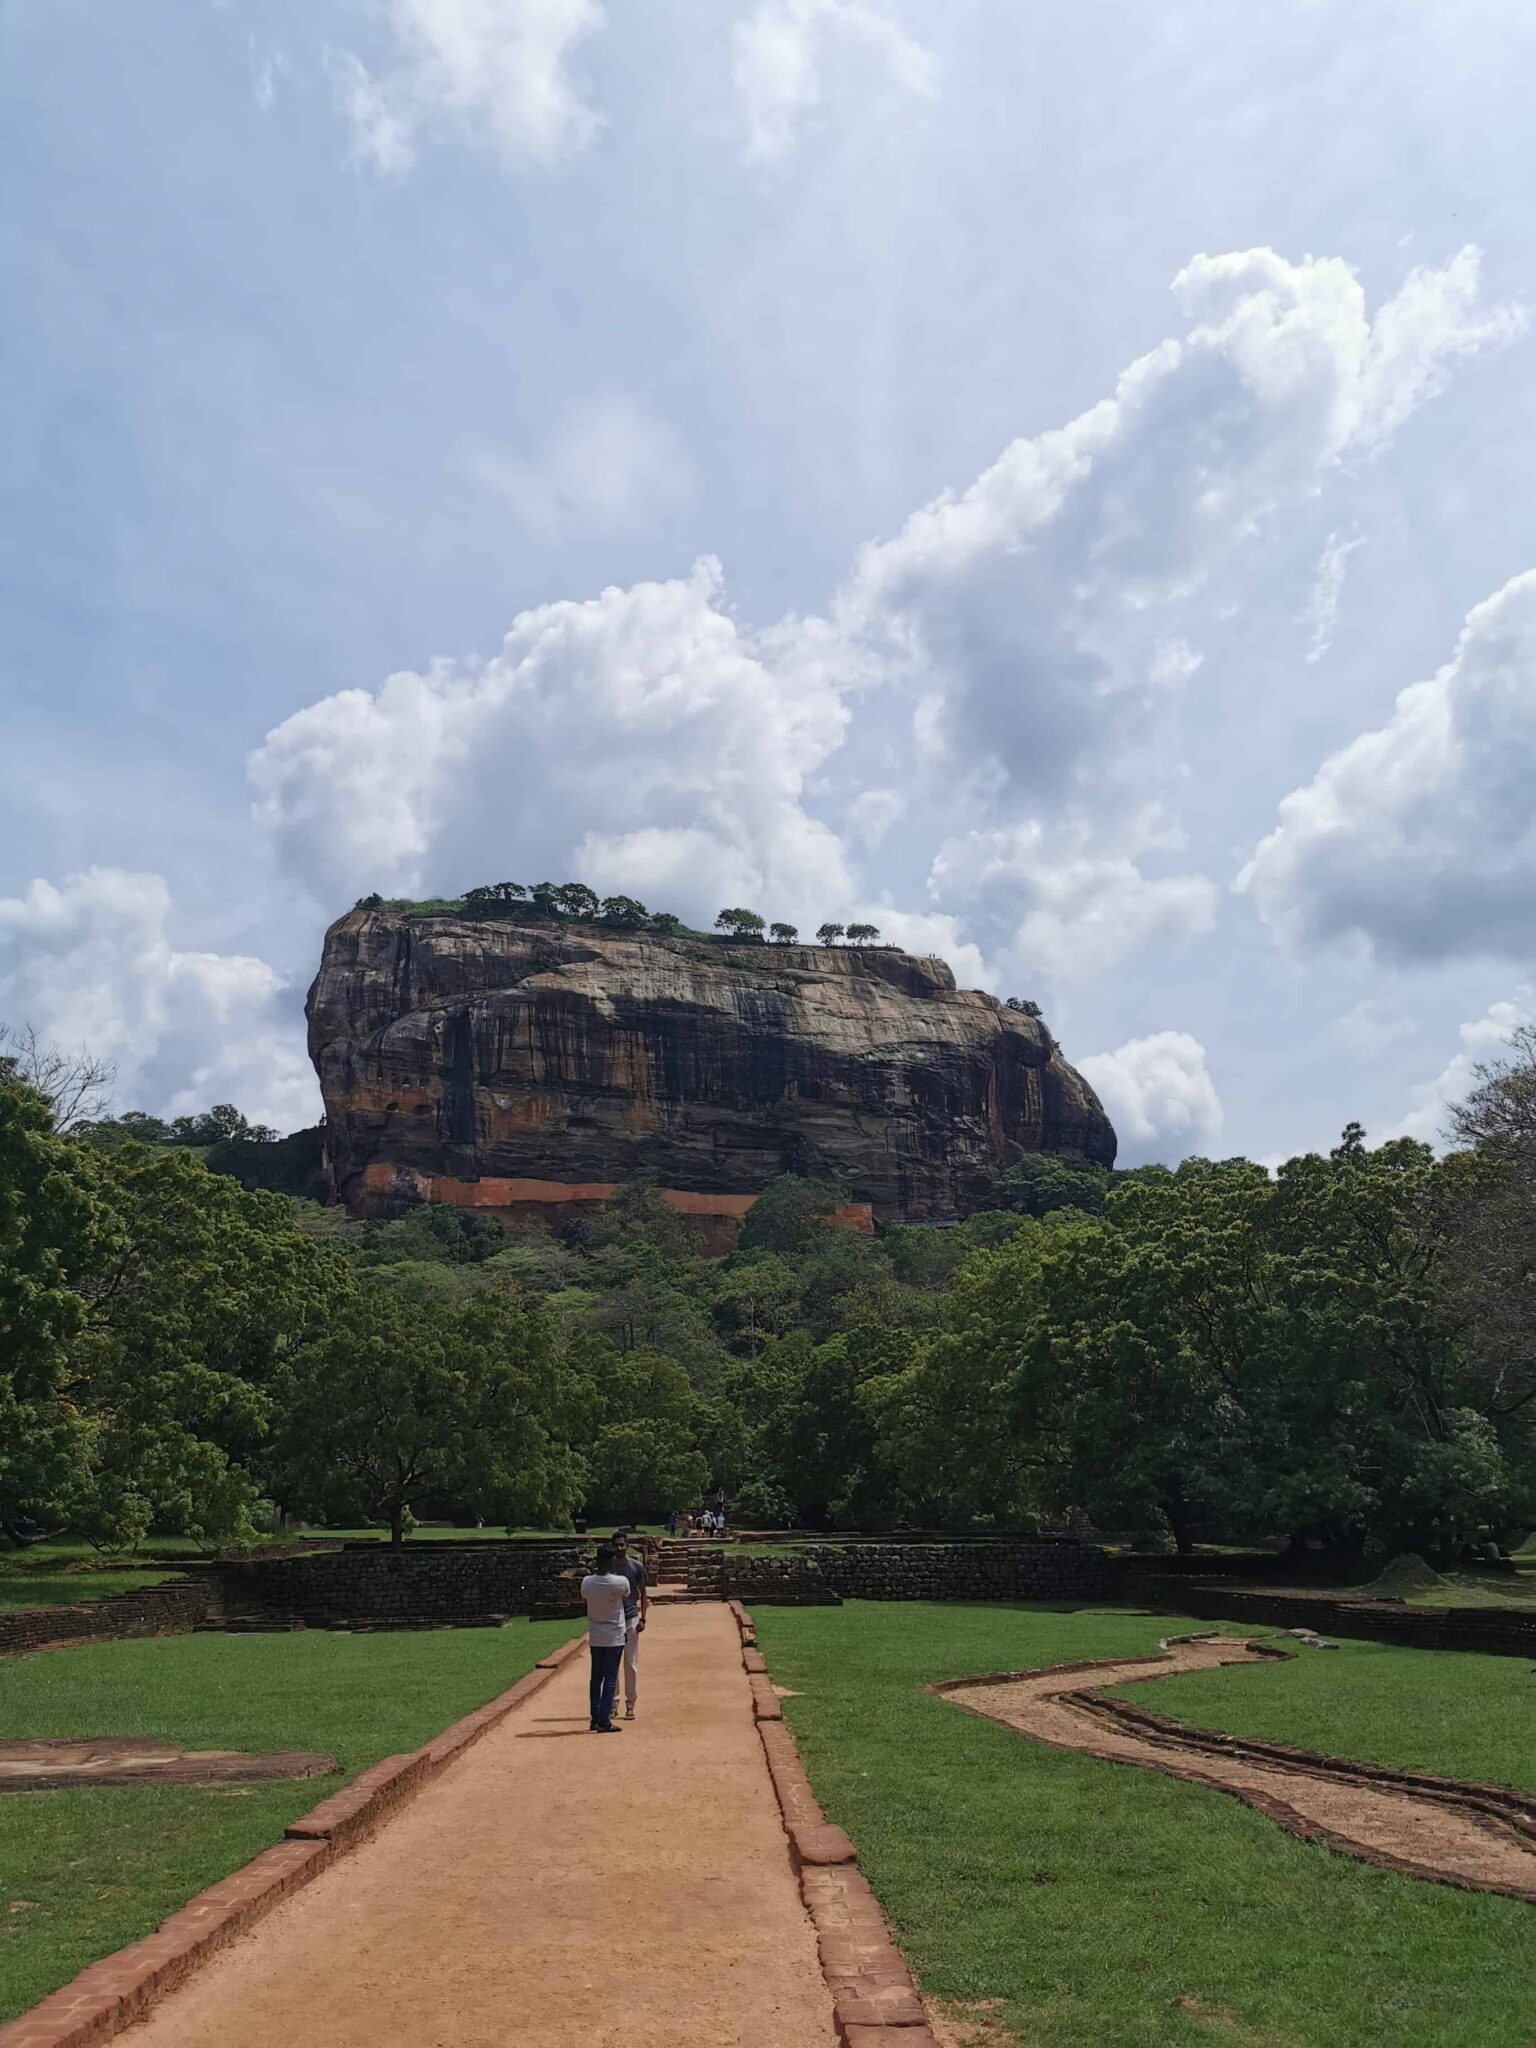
(503,1063)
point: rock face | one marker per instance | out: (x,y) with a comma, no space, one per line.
(503,1063)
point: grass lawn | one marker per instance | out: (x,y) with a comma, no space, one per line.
(66,1588)
(375,1534)
(1461,1715)
(83,1872)
(1480,1589)
(57,1574)
(1107,1907)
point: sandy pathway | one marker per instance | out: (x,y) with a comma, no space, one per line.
(552,1889)
(1443,1837)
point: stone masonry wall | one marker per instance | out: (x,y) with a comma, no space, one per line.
(424,1585)
(152,1611)
(1496,1631)
(1009,1569)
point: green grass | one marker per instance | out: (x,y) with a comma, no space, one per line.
(1107,1907)
(67,1588)
(1451,1712)
(1480,1589)
(374,1534)
(83,1872)
(60,1573)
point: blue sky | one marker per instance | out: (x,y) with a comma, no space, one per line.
(994,470)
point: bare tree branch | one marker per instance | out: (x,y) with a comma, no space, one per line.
(77,1084)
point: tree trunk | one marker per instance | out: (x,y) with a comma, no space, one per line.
(396,1524)
(1178,1520)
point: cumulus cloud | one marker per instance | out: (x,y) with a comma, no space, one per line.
(1419,838)
(497,71)
(1484,1038)
(1159,1096)
(931,932)
(610,466)
(639,737)
(784,50)
(1001,672)
(1057,908)
(873,812)
(1022,612)
(89,963)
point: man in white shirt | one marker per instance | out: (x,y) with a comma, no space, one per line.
(605,1592)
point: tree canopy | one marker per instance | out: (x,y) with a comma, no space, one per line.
(1340,1352)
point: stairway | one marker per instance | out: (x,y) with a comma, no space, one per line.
(691,1570)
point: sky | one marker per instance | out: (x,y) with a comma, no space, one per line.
(1052,482)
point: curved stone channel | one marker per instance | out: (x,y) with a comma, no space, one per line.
(1477,1837)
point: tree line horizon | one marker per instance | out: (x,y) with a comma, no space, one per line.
(576,903)
(1340,1352)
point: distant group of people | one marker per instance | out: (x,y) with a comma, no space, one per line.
(618,1599)
(706,1521)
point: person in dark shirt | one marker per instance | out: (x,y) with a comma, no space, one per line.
(636,1608)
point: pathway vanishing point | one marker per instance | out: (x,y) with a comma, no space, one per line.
(553,1889)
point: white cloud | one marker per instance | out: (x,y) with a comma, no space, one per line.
(926,932)
(639,738)
(1022,612)
(1371,1027)
(381,130)
(268,64)
(784,50)
(1484,1038)
(1327,592)
(1173,663)
(873,812)
(1433,318)
(1002,673)
(609,467)
(1160,1099)
(497,71)
(1420,838)
(88,962)
(1059,909)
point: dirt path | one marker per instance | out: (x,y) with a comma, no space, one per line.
(552,1888)
(1480,1838)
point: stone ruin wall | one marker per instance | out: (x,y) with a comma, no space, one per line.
(1005,1569)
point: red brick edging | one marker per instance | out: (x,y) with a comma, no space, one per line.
(874,2001)
(120,1988)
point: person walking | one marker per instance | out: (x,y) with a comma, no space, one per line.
(636,1611)
(605,1591)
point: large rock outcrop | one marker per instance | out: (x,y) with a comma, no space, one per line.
(501,1063)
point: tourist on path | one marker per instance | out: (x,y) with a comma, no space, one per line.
(636,1609)
(605,1592)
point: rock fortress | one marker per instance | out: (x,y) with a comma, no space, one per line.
(521,1067)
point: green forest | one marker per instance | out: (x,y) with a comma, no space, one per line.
(1338,1353)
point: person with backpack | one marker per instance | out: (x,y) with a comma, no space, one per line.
(605,1592)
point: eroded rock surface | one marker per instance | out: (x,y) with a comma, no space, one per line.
(455,1051)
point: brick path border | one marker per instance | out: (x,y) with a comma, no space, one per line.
(875,2003)
(121,1987)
